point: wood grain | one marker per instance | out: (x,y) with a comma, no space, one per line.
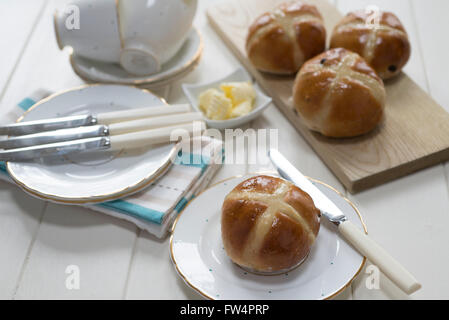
(414,135)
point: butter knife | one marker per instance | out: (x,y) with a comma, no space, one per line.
(106,118)
(111,143)
(354,235)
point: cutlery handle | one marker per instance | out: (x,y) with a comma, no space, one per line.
(132,114)
(154,136)
(153,122)
(379,257)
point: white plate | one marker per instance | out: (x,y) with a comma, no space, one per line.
(198,255)
(182,63)
(192,91)
(94,176)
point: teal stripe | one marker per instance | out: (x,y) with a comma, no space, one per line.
(134,210)
(26,103)
(181,204)
(3,167)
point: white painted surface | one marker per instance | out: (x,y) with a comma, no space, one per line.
(39,241)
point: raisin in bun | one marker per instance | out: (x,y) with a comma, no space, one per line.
(339,95)
(282,40)
(378,37)
(268,225)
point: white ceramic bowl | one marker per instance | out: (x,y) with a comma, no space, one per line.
(97,36)
(192,91)
(153,32)
(141,35)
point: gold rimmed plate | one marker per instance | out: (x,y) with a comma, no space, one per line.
(181,64)
(198,255)
(94,176)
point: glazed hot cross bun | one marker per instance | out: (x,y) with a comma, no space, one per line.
(282,40)
(379,37)
(339,95)
(268,224)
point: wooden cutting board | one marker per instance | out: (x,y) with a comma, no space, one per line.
(414,135)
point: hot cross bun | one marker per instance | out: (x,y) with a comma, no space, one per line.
(281,41)
(379,37)
(339,95)
(268,224)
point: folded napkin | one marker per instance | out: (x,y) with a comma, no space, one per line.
(154,208)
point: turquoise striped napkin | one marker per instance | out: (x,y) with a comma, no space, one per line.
(154,208)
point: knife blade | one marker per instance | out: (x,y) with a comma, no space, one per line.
(60,135)
(365,245)
(55,149)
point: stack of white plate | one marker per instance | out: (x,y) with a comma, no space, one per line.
(179,66)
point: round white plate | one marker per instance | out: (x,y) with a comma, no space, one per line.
(94,176)
(182,63)
(199,257)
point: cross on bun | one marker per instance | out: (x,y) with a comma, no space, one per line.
(268,224)
(339,95)
(379,37)
(281,41)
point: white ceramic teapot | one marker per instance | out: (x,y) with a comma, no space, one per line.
(141,35)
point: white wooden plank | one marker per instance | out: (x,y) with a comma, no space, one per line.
(98,245)
(19,219)
(42,65)
(432,22)
(430,18)
(405,216)
(408,217)
(101,246)
(17,19)
(152,275)
(20,213)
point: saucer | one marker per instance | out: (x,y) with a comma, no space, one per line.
(182,63)
(262,101)
(199,257)
(92,177)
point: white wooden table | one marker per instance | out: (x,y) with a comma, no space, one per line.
(38,240)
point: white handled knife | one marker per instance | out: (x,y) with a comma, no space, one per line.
(107,118)
(104,142)
(365,245)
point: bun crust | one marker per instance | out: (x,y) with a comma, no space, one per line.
(281,41)
(339,95)
(268,224)
(381,40)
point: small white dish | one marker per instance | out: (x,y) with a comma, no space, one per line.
(192,92)
(198,255)
(95,176)
(182,63)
